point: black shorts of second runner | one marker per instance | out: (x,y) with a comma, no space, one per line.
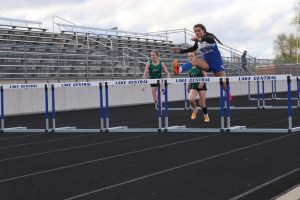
(153,85)
(204,88)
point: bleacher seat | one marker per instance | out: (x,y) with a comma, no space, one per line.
(35,53)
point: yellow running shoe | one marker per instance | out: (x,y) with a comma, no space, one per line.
(206,118)
(194,115)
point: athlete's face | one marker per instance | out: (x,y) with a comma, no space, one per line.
(191,56)
(154,57)
(198,32)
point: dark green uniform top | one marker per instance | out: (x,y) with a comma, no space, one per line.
(155,71)
(195,72)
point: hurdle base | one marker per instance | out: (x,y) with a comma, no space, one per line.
(195,130)
(76,130)
(295,129)
(228,130)
(17,128)
(21,129)
(133,130)
(62,129)
(260,130)
(174,127)
(116,129)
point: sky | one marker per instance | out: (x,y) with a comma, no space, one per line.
(241,24)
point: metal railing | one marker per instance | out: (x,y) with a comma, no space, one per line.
(65,20)
(185,37)
(98,42)
(19,22)
(108,32)
(138,56)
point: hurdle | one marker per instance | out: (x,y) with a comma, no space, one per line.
(223,99)
(24,87)
(159,127)
(103,111)
(243,128)
(74,129)
(262,96)
(289,107)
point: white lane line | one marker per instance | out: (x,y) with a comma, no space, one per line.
(177,167)
(75,147)
(265,184)
(40,142)
(105,158)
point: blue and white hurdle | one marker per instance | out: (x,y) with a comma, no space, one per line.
(23,87)
(260,96)
(72,129)
(103,111)
(289,106)
(129,83)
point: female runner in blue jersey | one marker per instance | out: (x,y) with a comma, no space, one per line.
(211,57)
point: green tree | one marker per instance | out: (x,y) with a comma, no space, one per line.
(285,46)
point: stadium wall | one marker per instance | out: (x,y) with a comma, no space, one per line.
(30,101)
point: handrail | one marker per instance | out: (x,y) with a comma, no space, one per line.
(11,20)
(115,32)
(136,52)
(128,56)
(188,32)
(173,31)
(55,16)
(53,21)
(111,43)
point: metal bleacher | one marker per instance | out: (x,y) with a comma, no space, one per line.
(30,52)
(130,50)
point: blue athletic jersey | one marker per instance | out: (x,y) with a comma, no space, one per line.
(185,67)
(209,52)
